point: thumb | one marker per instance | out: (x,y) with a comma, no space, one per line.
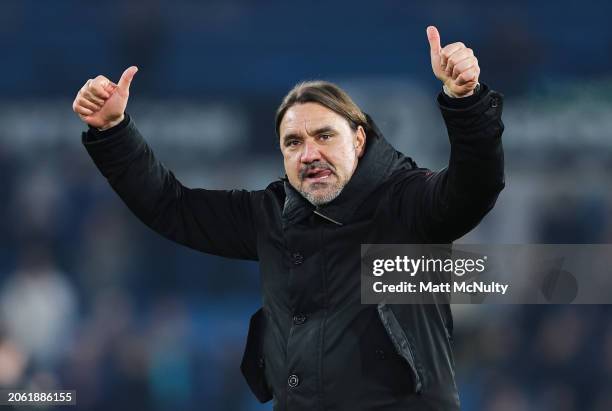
(126,78)
(434,40)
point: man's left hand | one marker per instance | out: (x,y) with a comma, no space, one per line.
(454,65)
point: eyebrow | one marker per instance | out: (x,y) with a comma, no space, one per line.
(320,130)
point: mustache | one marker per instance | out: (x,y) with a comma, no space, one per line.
(321,165)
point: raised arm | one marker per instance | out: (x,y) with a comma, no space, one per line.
(455,199)
(214,221)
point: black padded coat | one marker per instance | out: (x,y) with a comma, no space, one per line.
(313,345)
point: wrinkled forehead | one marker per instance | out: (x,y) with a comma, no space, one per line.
(309,117)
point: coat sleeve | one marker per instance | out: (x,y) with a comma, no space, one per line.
(218,222)
(447,204)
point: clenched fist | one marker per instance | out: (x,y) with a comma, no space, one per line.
(454,65)
(101,103)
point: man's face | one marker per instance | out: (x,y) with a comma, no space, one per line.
(320,151)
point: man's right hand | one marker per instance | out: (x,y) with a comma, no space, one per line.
(101,103)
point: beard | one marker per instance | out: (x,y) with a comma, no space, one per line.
(321,193)
(318,197)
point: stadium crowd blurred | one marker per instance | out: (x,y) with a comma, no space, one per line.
(92,300)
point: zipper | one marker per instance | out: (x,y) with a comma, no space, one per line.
(323,322)
(317,212)
(400,341)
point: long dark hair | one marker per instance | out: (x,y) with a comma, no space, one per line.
(328,95)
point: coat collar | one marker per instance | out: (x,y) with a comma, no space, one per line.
(379,161)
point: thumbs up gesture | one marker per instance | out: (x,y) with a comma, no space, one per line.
(101,103)
(454,65)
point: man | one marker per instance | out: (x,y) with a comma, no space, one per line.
(313,345)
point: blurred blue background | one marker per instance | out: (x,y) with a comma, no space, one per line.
(92,300)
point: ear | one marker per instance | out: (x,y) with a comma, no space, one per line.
(360,141)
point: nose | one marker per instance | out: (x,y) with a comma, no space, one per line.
(310,152)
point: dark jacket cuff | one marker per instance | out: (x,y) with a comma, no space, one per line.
(473,115)
(461,102)
(93,134)
(116,146)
